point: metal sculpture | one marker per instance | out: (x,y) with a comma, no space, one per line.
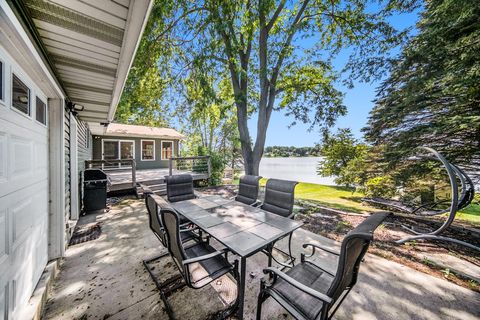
(458,202)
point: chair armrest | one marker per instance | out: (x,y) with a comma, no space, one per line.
(305,245)
(291,215)
(257,204)
(298,285)
(204,257)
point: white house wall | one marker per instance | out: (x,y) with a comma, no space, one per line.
(32,225)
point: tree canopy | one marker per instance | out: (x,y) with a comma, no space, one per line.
(343,157)
(142,98)
(277,54)
(432,96)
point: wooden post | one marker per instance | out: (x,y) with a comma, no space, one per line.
(134,174)
(170,166)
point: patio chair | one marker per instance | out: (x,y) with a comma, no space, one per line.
(308,291)
(248,189)
(279,199)
(153,202)
(199,264)
(180,187)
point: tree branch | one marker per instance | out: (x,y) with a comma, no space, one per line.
(275,15)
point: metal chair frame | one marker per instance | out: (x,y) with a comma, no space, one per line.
(269,249)
(162,238)
(184,269)
(338,290)
(248,181)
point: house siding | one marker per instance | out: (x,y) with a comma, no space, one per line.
(84,152)
(157,163)
(66,127)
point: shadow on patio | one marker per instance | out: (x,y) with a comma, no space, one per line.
(105,279)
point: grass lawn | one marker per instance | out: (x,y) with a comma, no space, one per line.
(470,214)
(346,199)
(340,198)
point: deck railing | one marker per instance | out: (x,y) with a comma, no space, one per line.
(115,164)
(196,165)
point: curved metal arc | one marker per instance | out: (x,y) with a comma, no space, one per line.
(435,237)
(454,190)
(468,188)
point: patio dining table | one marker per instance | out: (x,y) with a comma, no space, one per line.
(243,229)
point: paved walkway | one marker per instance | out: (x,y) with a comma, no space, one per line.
(105,279)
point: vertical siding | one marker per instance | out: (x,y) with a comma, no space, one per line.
(84,153)
(67,163)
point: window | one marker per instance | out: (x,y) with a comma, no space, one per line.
(20,95)
(41,111)
(167,150)
(148,150)
(117,150)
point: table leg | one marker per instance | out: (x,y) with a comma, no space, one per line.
(241,287)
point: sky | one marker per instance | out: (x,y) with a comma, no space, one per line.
(357,100)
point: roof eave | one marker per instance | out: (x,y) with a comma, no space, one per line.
(139,12)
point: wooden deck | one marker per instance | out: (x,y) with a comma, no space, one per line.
(121,179)
(120,176)
(131,179)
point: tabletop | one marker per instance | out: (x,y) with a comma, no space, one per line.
(243,229)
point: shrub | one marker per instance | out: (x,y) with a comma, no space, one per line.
(218,166)
(382,186)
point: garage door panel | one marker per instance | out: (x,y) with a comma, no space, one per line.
(3,235)
(23,160)
(3,297)
(22,289)
(3,157)
(41,158)
(21,212)
(21,151)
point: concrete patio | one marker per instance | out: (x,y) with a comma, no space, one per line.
(105,279)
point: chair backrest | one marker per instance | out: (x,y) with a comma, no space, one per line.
(153,218)
(279,197)
(179,187)
(152,202)
(171,223)
(248,189)
(354,246)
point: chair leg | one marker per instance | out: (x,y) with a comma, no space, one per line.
(145,264)
(262,296)
(225,314)
(292,259)
(165,292)
(270,252)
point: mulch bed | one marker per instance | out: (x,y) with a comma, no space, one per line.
(86,233)
(336,225)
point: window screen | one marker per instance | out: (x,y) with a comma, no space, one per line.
(148,150)
(167,150)
(20,95)
(41,111)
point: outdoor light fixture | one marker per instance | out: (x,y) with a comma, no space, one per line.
(75,108)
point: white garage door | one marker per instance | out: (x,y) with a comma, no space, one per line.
(23,187)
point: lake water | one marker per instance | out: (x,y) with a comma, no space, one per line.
(303,169)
